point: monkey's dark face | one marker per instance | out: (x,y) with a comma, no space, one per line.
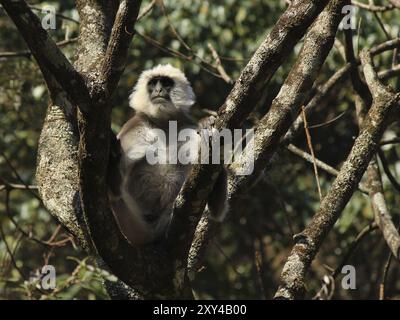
(159,89)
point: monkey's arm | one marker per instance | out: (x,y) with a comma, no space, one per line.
(136,136)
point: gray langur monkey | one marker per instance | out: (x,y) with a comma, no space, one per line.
(142,194)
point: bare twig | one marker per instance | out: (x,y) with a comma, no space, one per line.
(391,141)
(382,285)
(219,65)
(28,235)
(177,54)
(17,186)
(308,157)
(259,267)
(310,147)
(28,53)
(318,98)
(350,251)
(328,122)
(322,165)
(387,171)
(10,253)
(381,25)
(372,7)
(58,15)
(171,26)
(146,10)
(17,175)
(386,46)
(389,73)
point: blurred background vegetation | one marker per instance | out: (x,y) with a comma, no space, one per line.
(245,259)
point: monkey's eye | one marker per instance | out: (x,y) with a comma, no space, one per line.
(152,83)
(167,82)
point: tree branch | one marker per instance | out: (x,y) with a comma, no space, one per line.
(317,100)
(269,56)
(380,209)
(372,7)
(389,73)
(375,187)
(310,240)
(286,106)
(120,39)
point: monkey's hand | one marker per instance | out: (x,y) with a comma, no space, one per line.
(207,122)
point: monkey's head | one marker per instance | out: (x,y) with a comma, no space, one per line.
(162,91)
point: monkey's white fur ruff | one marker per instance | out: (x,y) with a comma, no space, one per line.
(182,94)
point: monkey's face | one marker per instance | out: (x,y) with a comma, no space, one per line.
(162,92)
(159,89)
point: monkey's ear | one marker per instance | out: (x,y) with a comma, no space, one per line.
(114,178)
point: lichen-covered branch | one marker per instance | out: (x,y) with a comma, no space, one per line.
(285,107)
(57,165)
(68,173)
(120,39)
(278,44)
(375,186)
(268,50)
(308,242)
(381,211)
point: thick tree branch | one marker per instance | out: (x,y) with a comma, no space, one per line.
(120,39)
(381,211)
(375,187)
(309,241)
(207,228)
(269,56)
(96,22)
(129,264)
(285,107)
(72,165)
